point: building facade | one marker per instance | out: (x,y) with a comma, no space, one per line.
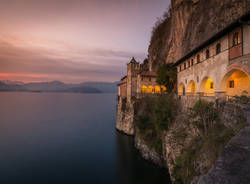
(220,67)
(138,82)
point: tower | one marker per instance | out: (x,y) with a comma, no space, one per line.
(133,68)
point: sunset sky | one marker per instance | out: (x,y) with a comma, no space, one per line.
(74,40)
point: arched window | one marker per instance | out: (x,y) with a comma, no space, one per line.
(207,54)
(198,58)
(218,48)
(144,89)
(235,38)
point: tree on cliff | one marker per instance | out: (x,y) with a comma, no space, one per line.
(167,76)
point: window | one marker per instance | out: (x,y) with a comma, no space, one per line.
(192,62)
(235,38)
(180,68)
(207,54)
(188,63)
(231,84)
(184,65)
(211,85)
(197,78)
(186,81)
(218,48)
(198,58)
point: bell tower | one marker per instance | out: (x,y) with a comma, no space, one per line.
(133,68)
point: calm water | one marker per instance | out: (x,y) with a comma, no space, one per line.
(52,138)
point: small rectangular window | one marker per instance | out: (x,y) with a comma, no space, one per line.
(192,62)
(188,63)
(184,65)
(211,85)
(207,54)
(198,58)
(218,48)
(235,38)
(231,84)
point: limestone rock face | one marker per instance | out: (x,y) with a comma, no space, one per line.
(233,166)
(125,118)
(147,153)
(192,22)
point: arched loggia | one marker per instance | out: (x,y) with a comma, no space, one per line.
(236,82)
(207,87)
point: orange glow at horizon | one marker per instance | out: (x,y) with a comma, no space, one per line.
(21,77)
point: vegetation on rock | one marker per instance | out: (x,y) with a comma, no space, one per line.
(154,117)
(204,148)
(167,76)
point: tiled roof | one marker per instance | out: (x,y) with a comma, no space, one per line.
(124,77)
(221,33)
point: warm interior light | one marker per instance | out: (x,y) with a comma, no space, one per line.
(238,84)
(144,89)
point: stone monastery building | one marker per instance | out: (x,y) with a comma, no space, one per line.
(218,68)
(137,81)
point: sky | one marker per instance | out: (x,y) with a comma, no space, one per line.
(74,40)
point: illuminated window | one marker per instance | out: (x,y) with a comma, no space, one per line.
(144,89)
(231,84)
(235,38)
(207,54)
(218,48)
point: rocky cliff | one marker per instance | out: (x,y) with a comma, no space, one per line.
(125,117)
(188,24)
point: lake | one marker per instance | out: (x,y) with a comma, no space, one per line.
(56,138)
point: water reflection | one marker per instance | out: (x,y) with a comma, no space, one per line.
(132,168)
(49,138)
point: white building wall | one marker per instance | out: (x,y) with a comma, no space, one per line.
(215,67)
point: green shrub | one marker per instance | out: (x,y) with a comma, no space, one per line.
(153,117)
(209,143)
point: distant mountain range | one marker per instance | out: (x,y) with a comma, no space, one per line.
(57,86)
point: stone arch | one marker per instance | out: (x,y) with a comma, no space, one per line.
(191,88)
(236,82)
(150,89)
(207,87)
(163,89)
(241,67)
(181,89)
(144,89)
(157,89)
